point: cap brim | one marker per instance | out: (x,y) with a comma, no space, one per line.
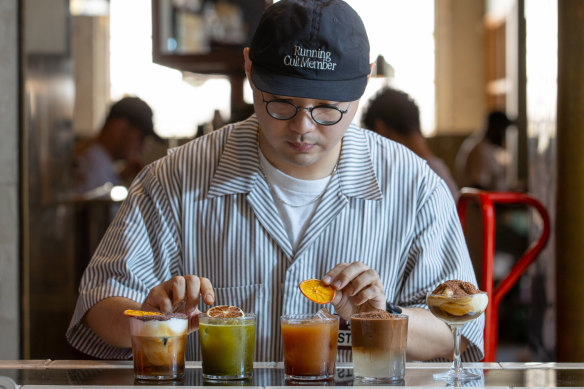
(330,90)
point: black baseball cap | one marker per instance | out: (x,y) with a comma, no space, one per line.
(137,112)
(311,49)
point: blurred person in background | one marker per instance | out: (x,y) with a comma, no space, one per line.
(395,115)
(482,161)
(114,155)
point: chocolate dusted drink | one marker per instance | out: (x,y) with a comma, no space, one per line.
(379,341)
(456,301)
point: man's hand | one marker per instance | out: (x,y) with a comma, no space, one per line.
(358,289)
(181,294)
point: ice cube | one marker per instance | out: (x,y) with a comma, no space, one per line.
(323,313)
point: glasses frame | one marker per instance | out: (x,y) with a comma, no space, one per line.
(309,109)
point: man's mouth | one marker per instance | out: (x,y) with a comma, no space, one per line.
(301,147)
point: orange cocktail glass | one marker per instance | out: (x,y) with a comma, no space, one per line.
(310,346)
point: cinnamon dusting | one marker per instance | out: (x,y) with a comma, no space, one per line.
(376,314)
(163,316)
(456,288)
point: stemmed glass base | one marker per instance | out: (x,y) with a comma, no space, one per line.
(456,372)
(453,375)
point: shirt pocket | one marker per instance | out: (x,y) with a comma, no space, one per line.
(247,297)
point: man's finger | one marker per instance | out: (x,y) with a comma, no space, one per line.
(330,278)
(193,287)
(177,290)
(157,300)
(372,294)
(207,291)
(342,276)
(365,279)
(193,320)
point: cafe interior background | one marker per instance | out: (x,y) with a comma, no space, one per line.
(64,61)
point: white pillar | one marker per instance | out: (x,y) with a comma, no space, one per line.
(460,78)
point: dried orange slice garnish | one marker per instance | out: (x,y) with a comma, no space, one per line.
(225,311)
(317,291)
(135,313)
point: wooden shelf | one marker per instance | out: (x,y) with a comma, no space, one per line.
(226,60)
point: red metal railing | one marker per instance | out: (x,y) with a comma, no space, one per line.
(486,200)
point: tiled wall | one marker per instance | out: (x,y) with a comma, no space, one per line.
(9,203)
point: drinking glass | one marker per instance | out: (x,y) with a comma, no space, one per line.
(456,311)
(158,346)
(227,346)
(379,347)
(310,346)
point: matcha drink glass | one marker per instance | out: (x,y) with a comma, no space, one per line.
(227,346)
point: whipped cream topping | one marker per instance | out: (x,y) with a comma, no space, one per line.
(159,328)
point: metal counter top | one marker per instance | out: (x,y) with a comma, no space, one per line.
(95,374)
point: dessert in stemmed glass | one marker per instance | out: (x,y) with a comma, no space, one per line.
(456,303)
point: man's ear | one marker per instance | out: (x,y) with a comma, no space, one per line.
(247,64)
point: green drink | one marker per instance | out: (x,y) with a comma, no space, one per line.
(227,346)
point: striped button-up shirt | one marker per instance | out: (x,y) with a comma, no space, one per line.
(206,209)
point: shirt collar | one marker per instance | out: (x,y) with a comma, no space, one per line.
(238,167)
(356,172)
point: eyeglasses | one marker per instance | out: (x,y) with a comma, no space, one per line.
(324,114)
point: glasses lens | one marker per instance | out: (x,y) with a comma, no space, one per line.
(326,116)
(281,110)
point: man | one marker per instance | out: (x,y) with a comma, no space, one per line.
(483,162)
(243,215)
(121,139)
(393,114)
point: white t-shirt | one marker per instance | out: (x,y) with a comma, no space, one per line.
(295,199)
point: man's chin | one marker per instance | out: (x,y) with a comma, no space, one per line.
(303,160)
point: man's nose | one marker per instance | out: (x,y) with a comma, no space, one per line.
(302,122)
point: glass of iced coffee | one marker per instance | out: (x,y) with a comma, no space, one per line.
(379,340)
(310,345)
(158,344)
(227,337)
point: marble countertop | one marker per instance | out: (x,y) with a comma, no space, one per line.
(95,374)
